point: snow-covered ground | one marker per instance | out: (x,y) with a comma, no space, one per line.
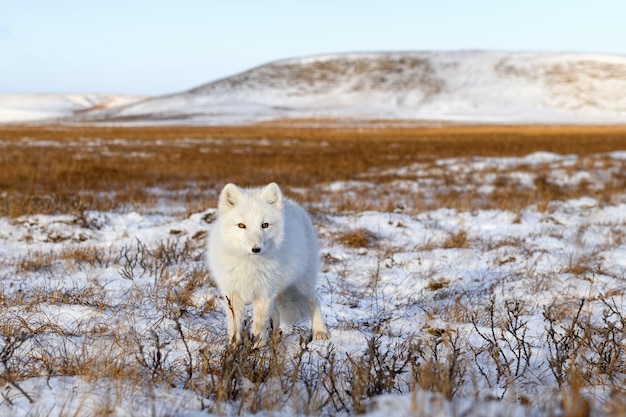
(501,303)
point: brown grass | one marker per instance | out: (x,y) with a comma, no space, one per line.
(456,240)
(359,238)
(52,169)
(48,169)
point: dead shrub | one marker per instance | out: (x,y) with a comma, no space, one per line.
(440,366)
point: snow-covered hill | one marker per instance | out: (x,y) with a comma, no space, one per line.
(33,107)
(466,86)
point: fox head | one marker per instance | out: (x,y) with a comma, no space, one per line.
(251,220)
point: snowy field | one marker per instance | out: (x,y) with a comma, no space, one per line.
(441,311)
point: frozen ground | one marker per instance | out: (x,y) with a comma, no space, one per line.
(504,304)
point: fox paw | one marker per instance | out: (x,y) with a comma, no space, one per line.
(258,342)
(320,335)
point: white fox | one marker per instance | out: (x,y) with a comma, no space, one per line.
(263,251)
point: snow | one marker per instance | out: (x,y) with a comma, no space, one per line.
(15,108)
(424,87)
(408,281)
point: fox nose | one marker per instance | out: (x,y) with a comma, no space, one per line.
(256,249)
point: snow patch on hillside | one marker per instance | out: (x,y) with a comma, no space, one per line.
(15,108)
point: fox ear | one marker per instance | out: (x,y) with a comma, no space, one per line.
(272,194)
(229,197)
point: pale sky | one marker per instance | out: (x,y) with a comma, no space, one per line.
(157,47)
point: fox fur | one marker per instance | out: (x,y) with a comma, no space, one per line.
(263,252)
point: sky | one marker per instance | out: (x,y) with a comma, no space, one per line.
(159,47)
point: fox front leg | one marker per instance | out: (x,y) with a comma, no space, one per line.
(261,308)
(234,317)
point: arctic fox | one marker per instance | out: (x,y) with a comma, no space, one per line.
(263,251)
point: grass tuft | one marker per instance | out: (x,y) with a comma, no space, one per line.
(359,238)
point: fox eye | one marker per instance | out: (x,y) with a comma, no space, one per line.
(241,226)
(265,225)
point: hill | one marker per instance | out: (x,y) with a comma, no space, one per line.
(466,86)
(33,107)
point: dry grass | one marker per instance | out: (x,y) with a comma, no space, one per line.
(359,238)
(72,169)
(49,169)
(456,240)
(173,347)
